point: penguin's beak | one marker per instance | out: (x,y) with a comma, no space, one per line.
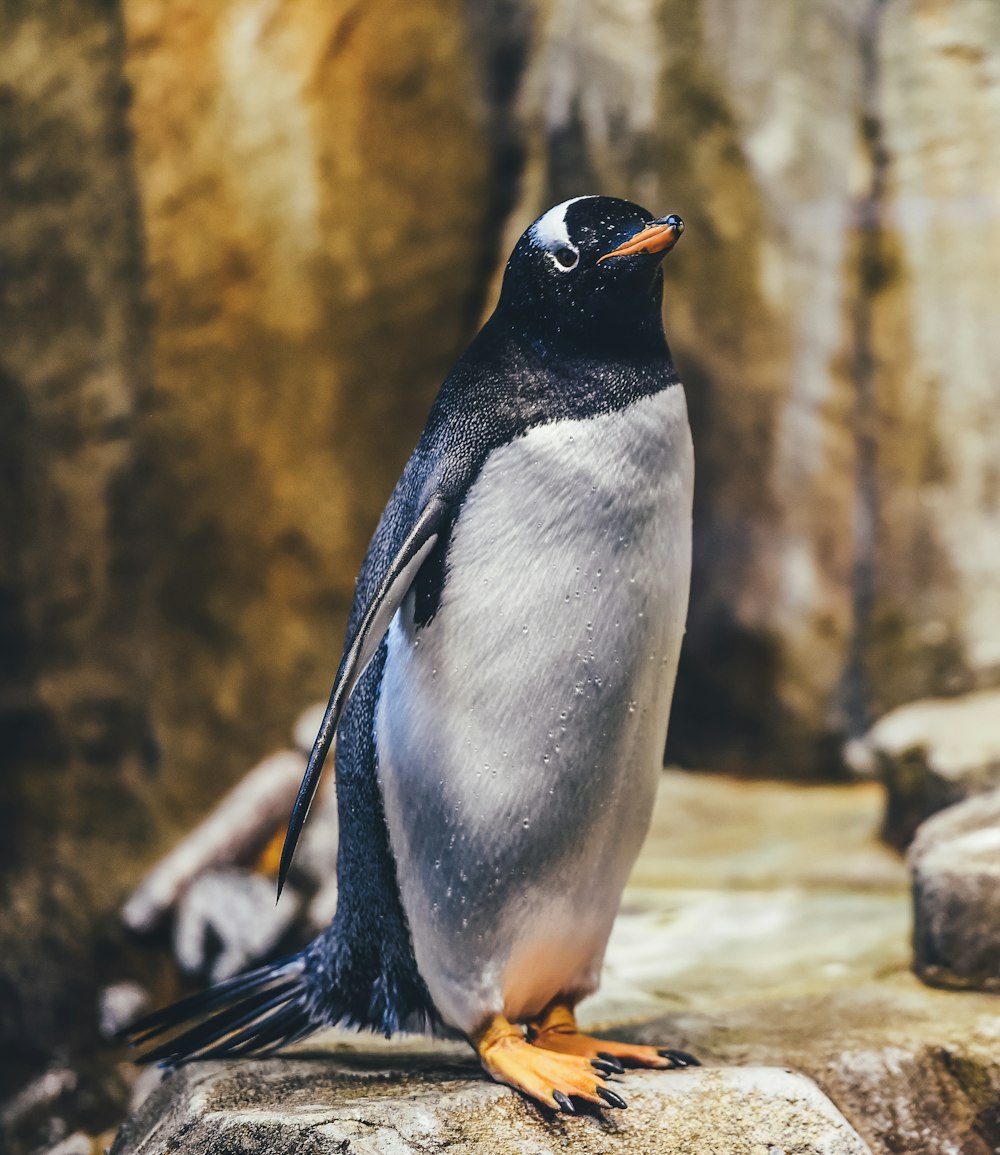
(658,236)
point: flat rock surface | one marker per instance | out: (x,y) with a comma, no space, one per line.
(765,929)
(343,1105)
(934,753)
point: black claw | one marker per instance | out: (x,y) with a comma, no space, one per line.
(606,1068)
(680,1058)
(611,1098)
(612,1062)
(564,1104)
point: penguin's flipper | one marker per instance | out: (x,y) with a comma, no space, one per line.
(361,648)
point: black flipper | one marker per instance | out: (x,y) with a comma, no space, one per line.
(361,648)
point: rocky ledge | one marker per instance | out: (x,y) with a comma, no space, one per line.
(766,930)
(427,1103)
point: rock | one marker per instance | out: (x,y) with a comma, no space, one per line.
(79,1143)
(240,825)
(311,281)
(955,860)
(915,1070)
(76,673)
(119,1005)
(846,545)
(228,920)
(39,1093)
(765,926)
(420,1105)
(935,626)
(146,1080)
(933,753)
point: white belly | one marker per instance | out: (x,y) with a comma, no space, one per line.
(520,734)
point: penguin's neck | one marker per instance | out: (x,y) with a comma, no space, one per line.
(538,379)
(624,327)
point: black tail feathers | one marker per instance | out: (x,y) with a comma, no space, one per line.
(252,1014)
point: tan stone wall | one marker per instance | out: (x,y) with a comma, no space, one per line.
(831,314)
(936,624)
(312,179)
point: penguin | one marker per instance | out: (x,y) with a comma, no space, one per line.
(501,704)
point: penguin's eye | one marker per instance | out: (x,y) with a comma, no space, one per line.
(566,258)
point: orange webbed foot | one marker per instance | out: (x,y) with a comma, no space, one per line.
(557,1031)
(542,1074)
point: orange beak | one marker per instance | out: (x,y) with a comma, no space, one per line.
(657,237)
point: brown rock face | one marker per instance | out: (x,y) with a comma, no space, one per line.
(831,315)
(314,210)
(744,119)
(74,661)
(298,189)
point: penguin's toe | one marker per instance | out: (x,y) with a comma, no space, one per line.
(546,1076)
(557,1031)
(611,1056)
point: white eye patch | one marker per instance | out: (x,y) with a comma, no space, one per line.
(549,231)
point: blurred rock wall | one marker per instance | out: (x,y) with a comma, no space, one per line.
(244,241)
(831,312)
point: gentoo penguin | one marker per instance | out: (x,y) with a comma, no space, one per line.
(501,704)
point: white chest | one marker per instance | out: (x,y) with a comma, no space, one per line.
(520,733)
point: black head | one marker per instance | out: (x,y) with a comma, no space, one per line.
(586,276)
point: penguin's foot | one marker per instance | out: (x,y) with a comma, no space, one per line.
(557,1031)
(551,1078)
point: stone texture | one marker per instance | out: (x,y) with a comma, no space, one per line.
(227,921)
(118,1005)
(237,830)
(312,179)
(915,1070)
(76,739)
(765,927)
(955,862)
(831,310)
(743,118)
(936,612)
(933,753)
(187,488)
(338,1105)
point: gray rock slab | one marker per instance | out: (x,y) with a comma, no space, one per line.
(235,829)
(227,920)
(118,1005)
(955,862)
(431,1103)
(916,1070)
(934,753)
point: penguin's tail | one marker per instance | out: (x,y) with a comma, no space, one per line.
(254,1013)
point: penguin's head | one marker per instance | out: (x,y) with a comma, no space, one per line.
(588,271)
